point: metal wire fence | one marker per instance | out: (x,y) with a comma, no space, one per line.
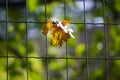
(86,58)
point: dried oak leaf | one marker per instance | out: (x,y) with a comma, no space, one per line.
(58,36)
(47,27)
(57,33)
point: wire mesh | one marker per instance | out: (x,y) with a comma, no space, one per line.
(86,58)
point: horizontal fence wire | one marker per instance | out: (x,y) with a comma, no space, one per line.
(104,58)
(86,58)
(90,58)
(71,22)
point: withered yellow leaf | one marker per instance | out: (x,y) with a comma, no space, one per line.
(45,30)
(58,34)
(47,27)
(65,22)
(49,24)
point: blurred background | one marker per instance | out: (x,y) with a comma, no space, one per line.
(96,25)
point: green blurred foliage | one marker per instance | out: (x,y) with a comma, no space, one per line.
(37,67)
(80,49)
(3,69)
(117,5)
(32,5)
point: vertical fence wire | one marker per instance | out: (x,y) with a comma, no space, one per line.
(7,69)
(47,75)
(105,41)
(27,63)
(86,43)
(67,78)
